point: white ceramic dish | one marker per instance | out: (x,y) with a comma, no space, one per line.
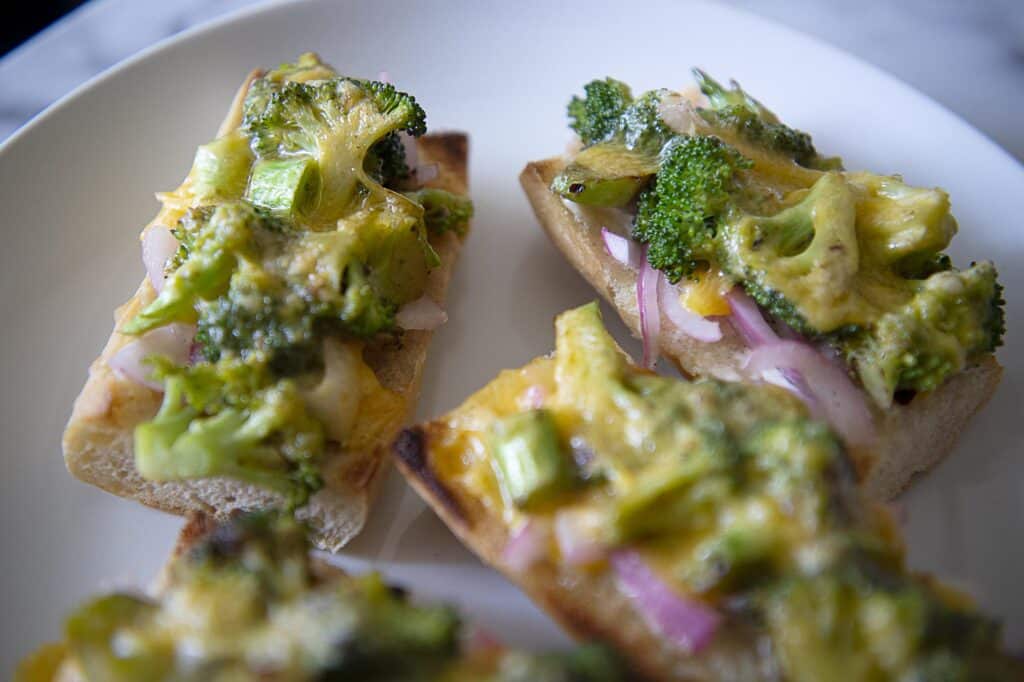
(77,183)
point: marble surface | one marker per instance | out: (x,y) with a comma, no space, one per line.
(968,55)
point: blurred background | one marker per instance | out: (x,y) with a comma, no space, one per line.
(967,54)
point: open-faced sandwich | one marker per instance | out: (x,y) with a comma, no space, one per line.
(243,600)
(293,282)
(707,530)
(728,243)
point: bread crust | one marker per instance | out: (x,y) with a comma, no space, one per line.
(97,442)
(912,438)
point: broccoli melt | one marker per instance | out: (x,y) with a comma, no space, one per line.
(232,419)
(853,260)
(299,244)
(247,601)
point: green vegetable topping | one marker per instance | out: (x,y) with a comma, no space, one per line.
(246,603)
(677,216)
(596,116)
(335,123)
(221,168)
(296,238)
(443,211)
(531,463)
(215,242)
(624,137)
(283,185)
(232,419)
(734,495)
(844,258)
(733,109)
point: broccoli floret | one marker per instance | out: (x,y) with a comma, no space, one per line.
(385,162)
(231,419)
(364,312)
(856,263)
(236,276)
(596,116)
(221,168)
(443,211)
(265,315)
(723,98)
(953,317)
(640,126)
(336,122)
(212,243)
(736,111)
(678,216)
(271,321)
(903,226)
(622,155)
(800,264)
(778,138)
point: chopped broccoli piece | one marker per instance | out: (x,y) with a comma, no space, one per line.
(237,277)
(618,164)
(336,122)
(736,111)
(677,217)
(900,225)
(231,419)
(724,98)
(640,126)
(443,211)
(779,138)
(284,185)
(531,462)
(953,317)
(596,116)
(217,241)
(221,168)
(606,174)
(365,313)
(385,162)
(807,252)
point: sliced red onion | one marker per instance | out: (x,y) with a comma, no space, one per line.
(423,313)
(687,623)
(577,538)
(173,341)
(650,315)
(837,400)
(384,77)
(426,172)
(412,150)
(748,320)
(686,321)
(158,245)
(622,249)
(528,544)
(535,396)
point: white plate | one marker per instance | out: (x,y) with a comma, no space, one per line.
(77,184)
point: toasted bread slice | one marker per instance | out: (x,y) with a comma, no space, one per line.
(912,438)
(98,439)
(590,606)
